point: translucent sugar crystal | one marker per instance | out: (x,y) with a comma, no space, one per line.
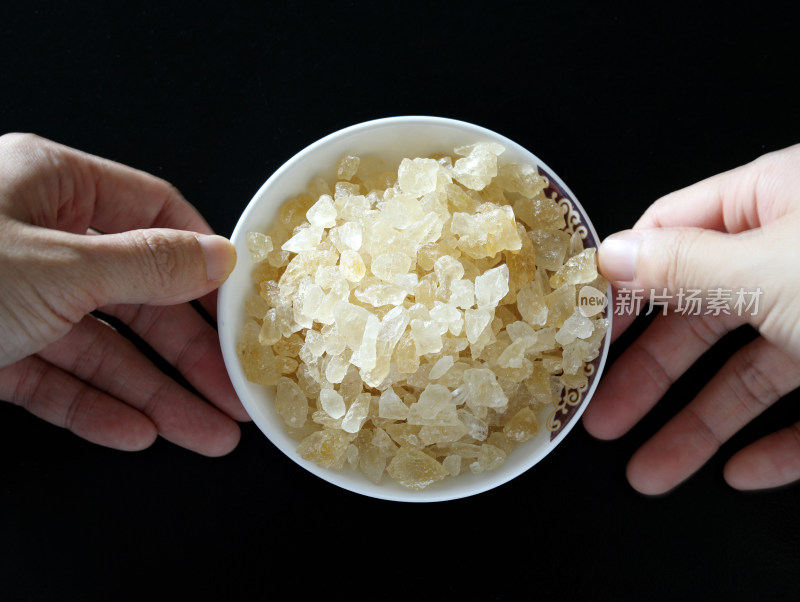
(293,213)
(432,435)
(404,434)
(574,355)
(347,167)
(560,305)
(326,447)
(440,368)
(304,239)
(448,269)
(475,322)
(347,236)
(352,266)
(522,426)
(307,302)
(270,332)
(403,211)
(351,455)
(462,294)
(486,233)
(350,323)
(357,413)
(317,187)
(575,243)
(290,403)
(576,326)
(540,214)
(550,247)
(452,464)
(417,176)
(258,361)
(391,406)
(483,389)
(514,354)
(524,179)
(433,400)
(519,329)
(426,336)
(415,469)
(372,462)
(377,293)
(315,343)
(336,368)
(392,327)
(579,269)
(478,167)
(476,428)
(491,286)
(334,342)
(538,385)
(332,403)
(406,355)
(322,213)
(389,265)
(448,317)
(259,245)
(365,355)
(490,458)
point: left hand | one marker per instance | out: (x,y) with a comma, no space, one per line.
(71,368)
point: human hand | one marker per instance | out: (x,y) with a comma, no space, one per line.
(734,231)
(67,366)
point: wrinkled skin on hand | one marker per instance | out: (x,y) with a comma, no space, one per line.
(57,358)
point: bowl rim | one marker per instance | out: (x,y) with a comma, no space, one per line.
(228,336)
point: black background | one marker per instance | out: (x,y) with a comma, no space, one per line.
(625,105)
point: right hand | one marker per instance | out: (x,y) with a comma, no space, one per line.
(737,230)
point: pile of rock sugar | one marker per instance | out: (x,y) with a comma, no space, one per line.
(419,321)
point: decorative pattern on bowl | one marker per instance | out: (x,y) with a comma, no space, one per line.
(571,399)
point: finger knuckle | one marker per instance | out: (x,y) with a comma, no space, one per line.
(680,257)
(755,388)
(161,254)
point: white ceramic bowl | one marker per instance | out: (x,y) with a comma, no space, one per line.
(391,138)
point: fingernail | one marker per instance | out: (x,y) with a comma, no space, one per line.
(617,256)
(220,255)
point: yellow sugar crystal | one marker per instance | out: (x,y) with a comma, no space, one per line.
(490,458)
(452,464)
(540,214)
(418,176)
(391,406)
(291,403)
(326,447)
(259,245)
(524,179)
(258,361)
(579,269)
(322,213)
(415,469)
(332,403)
(522,426)
(389,265)
(347,167)
(550,247)
(357,413)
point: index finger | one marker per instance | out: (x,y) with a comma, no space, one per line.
(55,186)
(741,199)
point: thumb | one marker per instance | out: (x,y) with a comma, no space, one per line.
(678,260)
(157,266)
